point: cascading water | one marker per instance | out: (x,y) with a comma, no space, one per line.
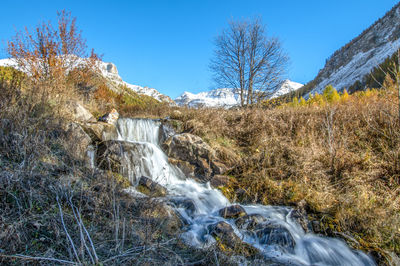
(150,161)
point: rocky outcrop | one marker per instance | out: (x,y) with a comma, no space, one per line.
(192,149)
(151,188)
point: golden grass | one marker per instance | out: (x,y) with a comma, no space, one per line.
(343,159)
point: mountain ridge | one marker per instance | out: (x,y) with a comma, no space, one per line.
(226,97)
(110,72)
(353,61)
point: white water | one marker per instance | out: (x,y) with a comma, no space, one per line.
(150,161)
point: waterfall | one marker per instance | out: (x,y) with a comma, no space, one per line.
(148,159)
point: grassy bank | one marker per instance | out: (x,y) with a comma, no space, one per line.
(340,159)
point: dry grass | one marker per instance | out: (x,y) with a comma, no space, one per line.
(343,159)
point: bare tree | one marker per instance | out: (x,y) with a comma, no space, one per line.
(247,59)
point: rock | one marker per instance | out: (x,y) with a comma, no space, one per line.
(79,113)
(78,142)
(166,131)
(203,170)
(241,195)
(151,188)
(110,118)
(250,222)
(229,242)
(220,181)
(192,149)
(276,235)
(218,167)
(186,204)
(159,218)
(316,227)
(185,167)
(101,131)
(300,217)
(188,147)
(223,230)
(233,211)
(121,157)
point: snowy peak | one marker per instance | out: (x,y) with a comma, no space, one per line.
(226,97)
(223,97)
(110,72)
(287,86)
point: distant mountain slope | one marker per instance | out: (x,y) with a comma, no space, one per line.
(110,72)
(357,58)
(226,97)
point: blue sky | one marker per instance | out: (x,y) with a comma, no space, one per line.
(167,45)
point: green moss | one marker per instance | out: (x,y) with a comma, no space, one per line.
(121,180)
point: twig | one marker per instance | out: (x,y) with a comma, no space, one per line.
(66,231)
(20,256)
(75,211)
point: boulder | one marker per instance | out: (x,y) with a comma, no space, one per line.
(232,212)
(110,118)
(79,113)
(151,188)
(274,234)
(121,157)
(78,141)
(158,218)
(250,222)
(101,131)
(192,149)
(188,147)
(229,242)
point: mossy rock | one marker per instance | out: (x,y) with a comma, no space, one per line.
(229,243)
(151,188)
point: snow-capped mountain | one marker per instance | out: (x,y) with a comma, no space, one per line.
(226,97)
(110,72)
(287,86)
(357,58)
